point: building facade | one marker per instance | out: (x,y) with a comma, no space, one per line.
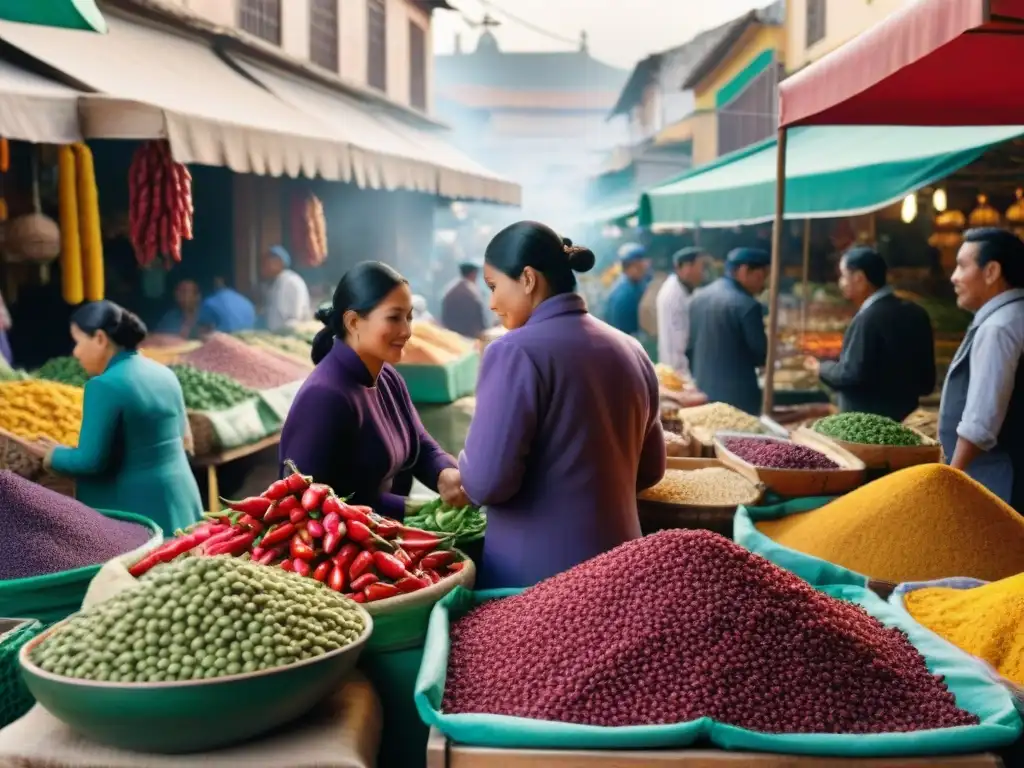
(537,118)
(816,27)
(381,44)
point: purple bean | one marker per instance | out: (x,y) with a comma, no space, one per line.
(247,365)
(777,454)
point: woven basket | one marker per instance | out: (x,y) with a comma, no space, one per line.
(20,457)
(204,436)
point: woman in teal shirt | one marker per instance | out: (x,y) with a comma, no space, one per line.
(131,453)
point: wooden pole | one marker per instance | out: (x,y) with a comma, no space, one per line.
(805,305)
(776,270)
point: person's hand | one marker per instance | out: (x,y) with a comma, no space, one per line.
(812,364)
(449,485)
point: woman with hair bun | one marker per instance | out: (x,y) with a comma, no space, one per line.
(352,424)
(131,453)
(567,427)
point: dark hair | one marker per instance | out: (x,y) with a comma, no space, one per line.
(122,327)
(531,244)
(468,270)
(870,262)
(360,290)
(1001,246)
(686,256)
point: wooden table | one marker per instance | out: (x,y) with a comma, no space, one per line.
(442,753)
(214,460)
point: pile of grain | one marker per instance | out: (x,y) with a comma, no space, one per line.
(710,486)
(921,523)
(716,417)
(250,367)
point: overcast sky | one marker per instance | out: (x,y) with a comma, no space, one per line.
(621,32)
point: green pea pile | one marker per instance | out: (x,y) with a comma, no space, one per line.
(867,428)
(199,619)
(65,370)
(207,391)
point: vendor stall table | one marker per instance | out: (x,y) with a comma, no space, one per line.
(442,753)
(214,460)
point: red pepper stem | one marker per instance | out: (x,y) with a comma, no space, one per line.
(382,543)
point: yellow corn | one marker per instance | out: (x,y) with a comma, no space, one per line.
(36,408)
(89,224)
(72,286)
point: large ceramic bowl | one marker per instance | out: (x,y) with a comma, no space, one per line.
(191,716)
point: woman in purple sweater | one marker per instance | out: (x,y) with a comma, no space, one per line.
(352,424)
(567,427)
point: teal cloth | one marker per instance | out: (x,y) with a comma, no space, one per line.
(809,568)
(1000,724)
(403,742)
(130,454)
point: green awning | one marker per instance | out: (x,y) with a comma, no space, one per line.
(65,14)
(831,171)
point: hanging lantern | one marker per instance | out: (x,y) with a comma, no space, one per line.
(984,215)
(1015,214)
(908,211)
(939,201)
(949,226)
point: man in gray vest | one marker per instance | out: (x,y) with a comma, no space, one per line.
(981,417)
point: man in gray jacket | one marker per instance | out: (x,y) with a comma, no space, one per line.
(727,338)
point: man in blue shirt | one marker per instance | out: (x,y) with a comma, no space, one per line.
(623,307)
(226,310)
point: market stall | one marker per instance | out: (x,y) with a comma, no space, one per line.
(941,68)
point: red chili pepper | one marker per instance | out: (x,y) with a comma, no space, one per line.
(278,535)
(358,597)
(412,584)
(362,563)
(348,513)
(297,515)
(331,522)
(256,506)
(275,513)
(300,550)
(437,560)
(348,552)
(359,532)
(270,556)
(313,496)
(358,585)
(332,505)
(390,567)
(234,547)
(330,543)
(172,549)
(304,534)
(315,528)
(288,565)
(415,540)
(321,572)
(251,523)
(434,576)
(289,503)
(380,592)
(297,482)
(388,528)
(456,567)
(336,579)
(403,557)
(301,567)
(277,490)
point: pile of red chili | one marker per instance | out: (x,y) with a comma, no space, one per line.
(682,625)
(302,526)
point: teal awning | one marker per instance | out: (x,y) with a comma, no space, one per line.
(610,213)
(65,14)
(830,171)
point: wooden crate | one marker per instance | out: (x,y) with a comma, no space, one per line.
(442,753)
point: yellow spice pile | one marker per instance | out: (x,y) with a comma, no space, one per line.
(921,523)
(987,622)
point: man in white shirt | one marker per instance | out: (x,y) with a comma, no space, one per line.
(673,306)
(287,294)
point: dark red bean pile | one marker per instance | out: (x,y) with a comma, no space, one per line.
(685,624)
(42,531)
(777,454)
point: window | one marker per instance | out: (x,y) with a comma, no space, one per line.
(815,21)
(323,33)
(261,18)
(417,66)
(753,115)
(377,44)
